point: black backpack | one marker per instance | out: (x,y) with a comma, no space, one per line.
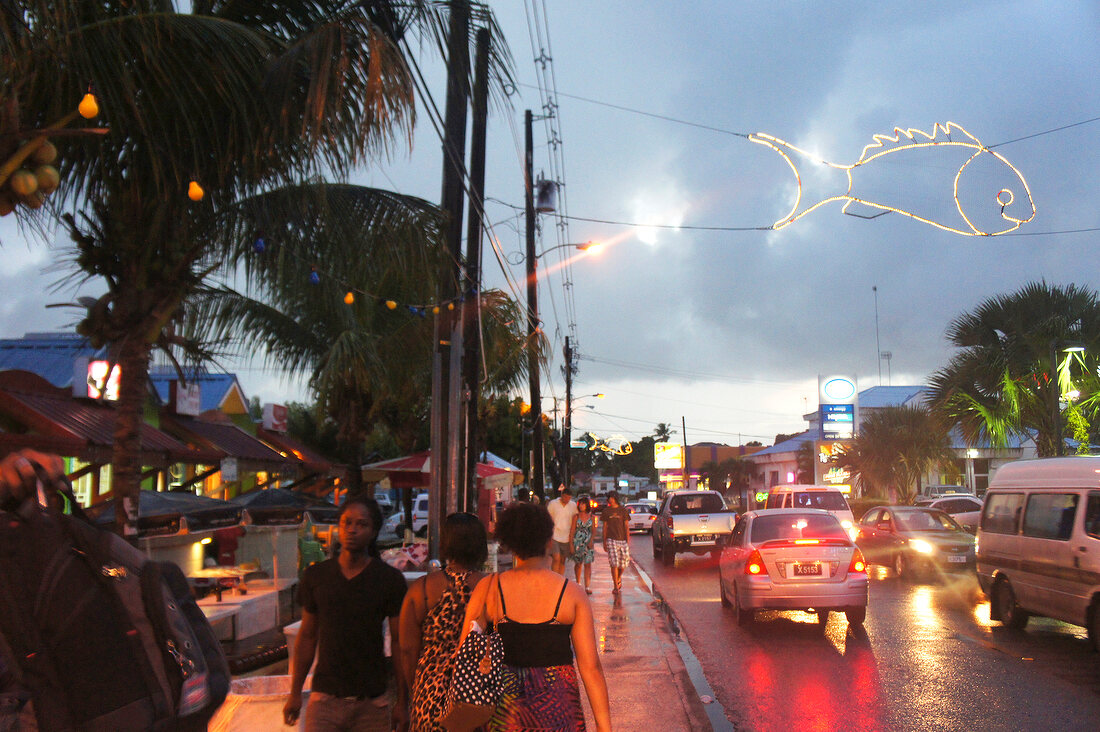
(99,636)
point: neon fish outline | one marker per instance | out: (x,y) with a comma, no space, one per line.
(886,145)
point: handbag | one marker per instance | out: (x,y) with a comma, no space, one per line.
(477,680)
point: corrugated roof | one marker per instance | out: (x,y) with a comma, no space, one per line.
(790,445)
(284,443)
(877,397)
(227,437)
(50,355)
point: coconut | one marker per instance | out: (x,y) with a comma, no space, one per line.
(23,182)
(48,178)
(45,153)
(6,204)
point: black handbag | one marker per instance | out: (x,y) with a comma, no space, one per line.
(477,679)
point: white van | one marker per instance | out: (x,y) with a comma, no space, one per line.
(1039,542)
(828,497)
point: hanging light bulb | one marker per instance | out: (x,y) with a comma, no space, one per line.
(314,278)
(349,298)
(435,310)
(88,106)
(450,306)
(195,191)
(391,304)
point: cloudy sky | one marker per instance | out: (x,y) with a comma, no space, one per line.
(696,310)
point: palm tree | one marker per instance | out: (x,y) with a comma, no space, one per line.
(1012,372)
(895,446)
(237,97)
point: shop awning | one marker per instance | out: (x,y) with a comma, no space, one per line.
(171,513)
(311,461)
(251,454)
(51,419)
(279,506)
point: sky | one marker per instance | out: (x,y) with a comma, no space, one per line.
(696,313)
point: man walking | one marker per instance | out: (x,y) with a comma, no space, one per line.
(344,601)
(562,510)
(616,522)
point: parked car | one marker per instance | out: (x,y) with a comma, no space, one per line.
(826,497)
(912,539)
(695,521)
(642,516)
(792,559)
(1039,542)
(395,523)
(384,502)
(966,509)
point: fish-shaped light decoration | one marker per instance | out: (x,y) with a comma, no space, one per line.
(911,140)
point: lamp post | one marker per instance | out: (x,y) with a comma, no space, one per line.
(567,431)
(1058,346)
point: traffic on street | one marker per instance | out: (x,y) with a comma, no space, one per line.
(927,657)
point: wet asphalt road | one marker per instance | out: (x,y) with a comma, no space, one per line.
(927,658)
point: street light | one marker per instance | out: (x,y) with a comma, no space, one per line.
(587,246)
(567,432)
(1057,346)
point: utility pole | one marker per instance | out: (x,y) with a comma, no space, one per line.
(567,424)
(472,303)
(444,433)
(533,313)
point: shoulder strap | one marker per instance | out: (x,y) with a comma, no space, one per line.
(503,608)
(564,584)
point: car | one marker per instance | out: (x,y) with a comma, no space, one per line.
(912,539)
(964,508)
(384,502)
(827,497)
(691,521)
(792,559)
(395,523)
(642,516)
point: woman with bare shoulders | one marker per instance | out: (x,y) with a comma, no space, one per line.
(431,619)
(545,622)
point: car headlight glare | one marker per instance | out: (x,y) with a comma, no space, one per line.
(922,546)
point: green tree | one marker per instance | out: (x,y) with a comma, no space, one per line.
(663,432)
(895,446)
(1004,381)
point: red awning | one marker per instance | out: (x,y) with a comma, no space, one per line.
(228,438)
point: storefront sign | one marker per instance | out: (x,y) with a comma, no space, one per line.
(229,470)
(95,379)
(188,398)
(275,417)
(668,455)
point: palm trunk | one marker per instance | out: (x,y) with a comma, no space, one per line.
(133,361)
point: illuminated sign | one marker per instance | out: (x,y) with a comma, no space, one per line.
(668,455)
(837,421)
(275,417)
(950,137)
(836,389)
(96,379)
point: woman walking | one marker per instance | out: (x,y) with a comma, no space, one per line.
(431,619)
(582,538)
(544,620)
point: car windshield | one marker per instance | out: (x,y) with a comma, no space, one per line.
(925,521)
(698,503)
(796,526)
(828,500)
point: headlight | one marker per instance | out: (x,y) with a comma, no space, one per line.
(921,546)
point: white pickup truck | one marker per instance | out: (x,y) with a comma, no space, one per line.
(691,521)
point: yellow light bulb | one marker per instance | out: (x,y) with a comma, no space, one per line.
(349,298)
(194,191)
(435,310)
(391,304)
(450,306)
(88,106)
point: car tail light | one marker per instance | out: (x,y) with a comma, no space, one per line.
(755,563)
(858,565)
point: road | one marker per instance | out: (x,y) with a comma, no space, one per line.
(927,658)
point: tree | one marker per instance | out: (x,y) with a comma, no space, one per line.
(895,446)
(233,98)
(1012,372)
(663,432)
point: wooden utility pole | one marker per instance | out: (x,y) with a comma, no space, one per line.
(472,287)
(535,414)
(448,327)
(567,425)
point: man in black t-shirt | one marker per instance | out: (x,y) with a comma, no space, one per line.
(615,538)
(344,601)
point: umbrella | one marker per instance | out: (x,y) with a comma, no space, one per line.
(170,513)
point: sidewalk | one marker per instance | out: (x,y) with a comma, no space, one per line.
(647,681)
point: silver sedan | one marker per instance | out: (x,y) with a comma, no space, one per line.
(792,559)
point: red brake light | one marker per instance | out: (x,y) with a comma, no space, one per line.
(755,563)
(858,565)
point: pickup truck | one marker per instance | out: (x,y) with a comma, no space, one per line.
(695,521)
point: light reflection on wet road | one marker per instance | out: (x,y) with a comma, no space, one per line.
(928,658)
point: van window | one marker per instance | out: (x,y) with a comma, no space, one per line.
(827,500)
(1050,515)
(1002,512)
(1092,516)
(698,503)
(775,500)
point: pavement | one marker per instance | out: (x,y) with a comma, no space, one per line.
(645,662)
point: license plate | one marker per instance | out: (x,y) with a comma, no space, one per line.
(807,570)
(958,559)
(703,539)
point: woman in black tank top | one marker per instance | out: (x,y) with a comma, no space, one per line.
(543,621)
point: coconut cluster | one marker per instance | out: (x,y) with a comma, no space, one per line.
(29,185)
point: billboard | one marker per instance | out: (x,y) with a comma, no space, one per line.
(838,399)
(668,455)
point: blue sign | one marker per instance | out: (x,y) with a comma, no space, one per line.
(838,421)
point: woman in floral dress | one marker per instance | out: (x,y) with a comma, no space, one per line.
(582,537)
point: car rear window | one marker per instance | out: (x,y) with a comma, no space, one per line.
(828,500)
(699,503)
(1002,512)
(795,526)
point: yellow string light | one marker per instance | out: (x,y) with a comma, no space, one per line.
(391,304)
(88,106)
(889,144)
(195,191)
(349,298)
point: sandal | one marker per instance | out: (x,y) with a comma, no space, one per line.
(588,590)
